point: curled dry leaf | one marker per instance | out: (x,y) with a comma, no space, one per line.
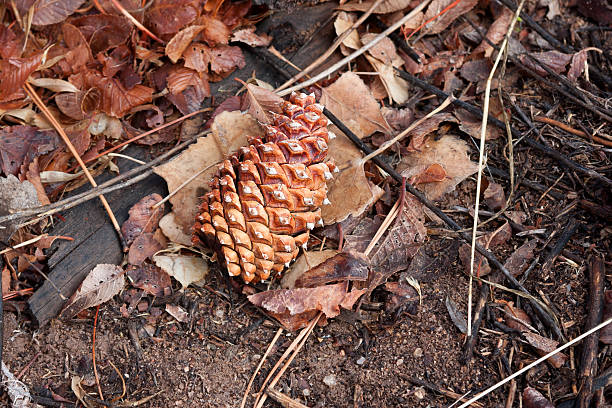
(179,43)
(52,11)
(442,21)
(260,103)
(383,57)
(15,196)
(142,217)
(33,176)
(229,132)
(53,84)
(180,78)
(150,278)
(15,71)
(352,102)
(344,266)
(451,153)
(518,262)
(168,17)
(185,269)
(100,285)
(398,119)
(544,346)
(248,36)
(471,124)
(224,59)
(103,31)
(343,22)
(215,31)
(305,262)
(578,65)
(555,60)
(173,231)
(533,398)
(490,240)
(497,31)
(19,145)
(286,304)
(178,313)
(428,126)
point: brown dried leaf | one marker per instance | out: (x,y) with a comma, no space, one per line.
(555,60)
(173,231)
(19,145)
(180,78)
(197,56)
(305,262)
(516,318)
(248,36)
(103,31)
(456,315)
(327,299)
(387,6)
(142,217)
(518,262)
(442,21)
(15,71)
(544,346)
(100,285)
(224,59)
(494,196)
(10,44)
(577,66)
(352,102)
(116,100)
(214,31)
(606,333)
(428,126)
(476,70)
(344,266)
(185,269)
(79,53)
(169,16)
(451,153)
(53,11)
(178,313)
(402,241)
(144,247)
(471,124)
(490,240)
(179,43)
(229,132)
(533,398)
(398,119)
(433,174)
(33,176)
(260,102)
(151,279)
(497,31)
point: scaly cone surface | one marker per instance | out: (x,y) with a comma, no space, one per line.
(265,199)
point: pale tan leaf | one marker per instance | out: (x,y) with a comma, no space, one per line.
(101,284)
(173,231)
(53,84)
(177,312)
(248,36)
(185,269)
(343,22)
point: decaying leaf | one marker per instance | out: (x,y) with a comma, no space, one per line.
(15,196)
(177,312)
(387,6)
(185,269)
(143,217)
(533,398)
(441,21)
(343,22)
(179,43)
(428,126)
(544,346)
(383,57)
(19,145)
(471,124)
(145,246)
(173,231)
(52,11)
(456,316)
(248,36)
(518,262)
(150,278)
(15,71)
(401,294)
(555,60)
(497,31)
(284,304)
(490,240)
(516,318)
(260,102)
(305,262)
(451,153)
(494,196)
(578,65)
(229,132)
(101,284)
(344,266)
(352,102)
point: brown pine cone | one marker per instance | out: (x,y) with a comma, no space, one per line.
(265,198)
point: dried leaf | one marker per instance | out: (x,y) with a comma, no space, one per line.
(53,11)
(116,100)
(214,31)
(497,31)
(401,242)
(471,124)
(428,126)
(260,102)
(343,22)
(516,318)
(476,70)
(100,285)
(451,153)
(19,145)
(578,65)
(103,31)
(606,333)
(398,119)
(224,59)
(455,315)
(169,16)
(442,21)
(180,78)
(555,60)
(344,266)
(397,88)
(518,262)
(387,6)
(352,102)
(553,8)
(185,269)
(173,231)
(248,36)
(15,71)
(179,43)
(494,196)
(532,398)
(150,278)
(178,313)
(229,132)
(15,196)
(79,53)
(291,302)
(145,246)
(433,174)
(197,57)
(33,176)
(305,262)
(490,240)
(53,84)
(142,217)
(401,294)
(544,346)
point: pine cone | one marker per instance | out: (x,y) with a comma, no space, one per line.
(265,198)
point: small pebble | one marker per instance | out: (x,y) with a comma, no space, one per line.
(399,361)
(418,352)
(361,360)
(220,313)
(186,369)
(330,380)
(306,392)
(419,393)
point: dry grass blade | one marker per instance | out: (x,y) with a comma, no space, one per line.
(41,105)
(263,359)
(483,136)
(331,49)
(535,363)
(415,11)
